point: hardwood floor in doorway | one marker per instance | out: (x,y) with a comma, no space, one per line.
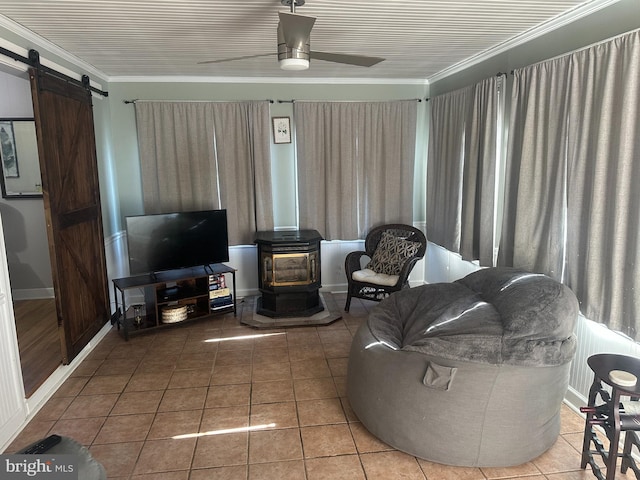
(38,341)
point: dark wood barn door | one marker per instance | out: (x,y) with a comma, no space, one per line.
(66,145)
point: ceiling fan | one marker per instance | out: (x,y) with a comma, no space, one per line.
(294,51)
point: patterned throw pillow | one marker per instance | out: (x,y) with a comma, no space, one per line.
(391,253)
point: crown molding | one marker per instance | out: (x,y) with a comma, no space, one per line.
(531,34)
(40,42)
(269,80)
(31,37)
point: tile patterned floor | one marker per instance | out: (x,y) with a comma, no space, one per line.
(216,400)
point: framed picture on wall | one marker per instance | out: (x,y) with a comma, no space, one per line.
(9,155)
(281,129)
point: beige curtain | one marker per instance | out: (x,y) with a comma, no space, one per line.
(603,241)
(177,156)
(386,156)
(327,170)
(355,165)
(202,155)
(479,171)
(533,234)
(461,170)
(573,202)
(244,167)
(444,168)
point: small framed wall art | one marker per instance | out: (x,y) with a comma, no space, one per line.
(281,129)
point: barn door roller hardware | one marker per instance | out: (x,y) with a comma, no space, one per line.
(34,61)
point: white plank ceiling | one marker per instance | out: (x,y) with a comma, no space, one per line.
(418,38)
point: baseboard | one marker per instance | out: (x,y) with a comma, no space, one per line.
(574,399)
(32,293)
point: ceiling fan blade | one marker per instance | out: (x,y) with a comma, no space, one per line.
(236,58)
(296,29)
(358,60)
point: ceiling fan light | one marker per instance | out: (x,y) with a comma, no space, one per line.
(294,64)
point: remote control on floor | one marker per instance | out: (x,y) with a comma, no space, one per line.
(43,445)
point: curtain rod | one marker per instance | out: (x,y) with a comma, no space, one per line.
(34,62)
(352,101)
(193,101)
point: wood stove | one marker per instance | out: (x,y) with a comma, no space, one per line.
(289,271)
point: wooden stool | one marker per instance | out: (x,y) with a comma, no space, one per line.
(622,374)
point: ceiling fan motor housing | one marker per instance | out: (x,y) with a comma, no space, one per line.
(294,57)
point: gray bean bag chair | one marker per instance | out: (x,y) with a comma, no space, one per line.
(469,373)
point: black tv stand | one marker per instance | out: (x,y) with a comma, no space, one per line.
(187,291)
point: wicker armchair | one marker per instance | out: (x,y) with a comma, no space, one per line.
(374,282)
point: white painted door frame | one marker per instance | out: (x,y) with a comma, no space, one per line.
(13,409)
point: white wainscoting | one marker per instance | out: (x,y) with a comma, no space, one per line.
(594,338)
(244,258)
(445,266)
(334,252)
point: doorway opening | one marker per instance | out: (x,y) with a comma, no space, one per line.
(26,242)
(38,341)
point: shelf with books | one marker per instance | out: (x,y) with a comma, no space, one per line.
(174,297)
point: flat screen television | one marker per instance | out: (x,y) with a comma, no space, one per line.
(171,241)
